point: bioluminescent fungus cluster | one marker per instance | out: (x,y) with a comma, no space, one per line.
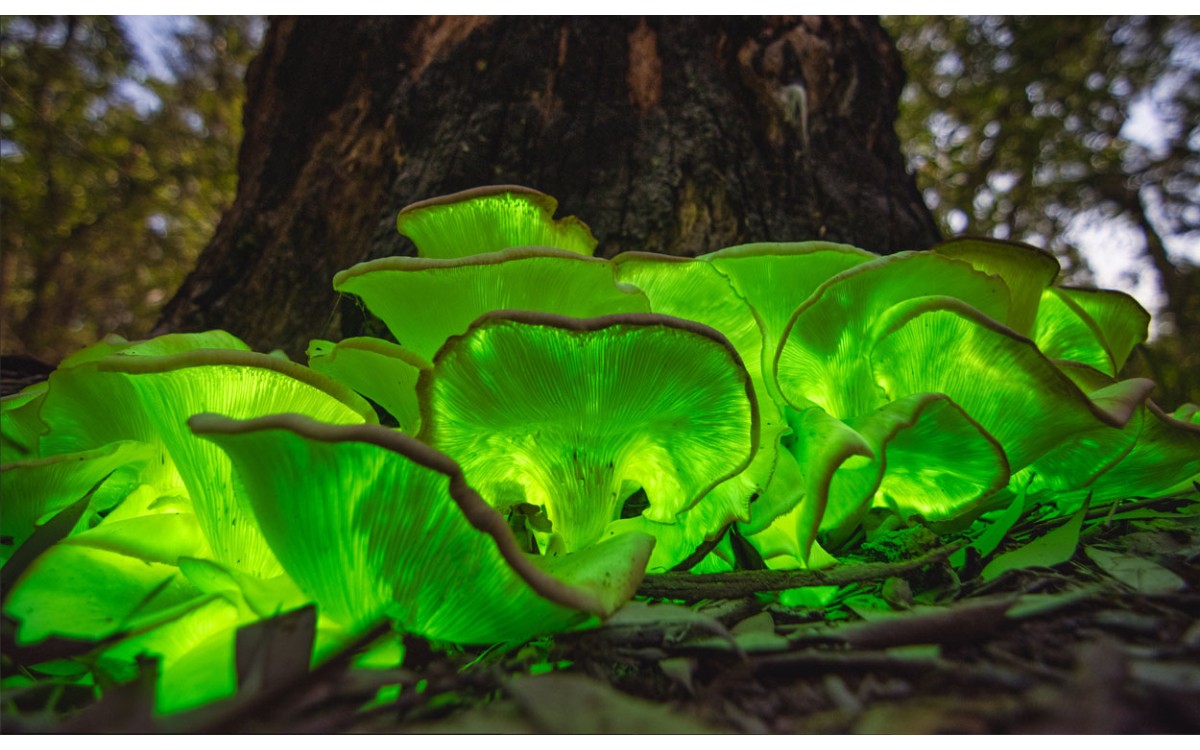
(564,423)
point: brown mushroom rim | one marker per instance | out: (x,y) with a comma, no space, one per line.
(409,263)
(538,198)
(785,250)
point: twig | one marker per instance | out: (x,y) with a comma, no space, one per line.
(737,584)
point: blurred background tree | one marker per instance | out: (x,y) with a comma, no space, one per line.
(1073,133)
(1069,132)
(113,175)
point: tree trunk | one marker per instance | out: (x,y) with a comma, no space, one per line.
(679,135)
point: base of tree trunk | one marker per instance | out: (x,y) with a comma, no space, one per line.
(678,135)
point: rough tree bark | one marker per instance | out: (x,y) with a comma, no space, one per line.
(679,135)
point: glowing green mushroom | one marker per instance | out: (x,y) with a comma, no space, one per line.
(1000,379)
(918,456)
(775,278)
(489,219)
(1025,270)
(424,302)
(696,290)
(1153,453)
(38,488)
(149,398)
(1007,404)
(573,415)
(747,293)
(382,371)
(824,358)
(20,425)
(370,522)
(1090,326)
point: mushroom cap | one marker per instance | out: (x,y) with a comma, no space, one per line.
(423,302)
(696,289)
(1026,270)
(490,219)
(920,455)
(1096,327)
(382,371)
(1000,379)
(574,415)
(825,356)
(776,277)
(371,522)
(149,398)
(1154,453)
(35,489)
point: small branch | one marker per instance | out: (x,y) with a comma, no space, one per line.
(747,582)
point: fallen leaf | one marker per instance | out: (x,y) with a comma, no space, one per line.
(1138,573)
(667,621)
(1037,605)
(994,533)
(574,704)
(273,653)
(759,623)
(1053,548)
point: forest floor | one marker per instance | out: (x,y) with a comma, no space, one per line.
(919,637)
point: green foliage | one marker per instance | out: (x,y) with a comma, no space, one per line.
(112,179)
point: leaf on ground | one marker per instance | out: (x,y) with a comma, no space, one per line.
(897,593)
(759,623)
(678,621)
(754,642)
(124,709)
(754,634)
(994,533)
(1173,676)
(1162,544)
(574,704)
(1138,573)
(1146,514)
(273,653)
(1053,548)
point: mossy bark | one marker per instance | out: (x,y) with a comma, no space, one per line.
(678,135)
